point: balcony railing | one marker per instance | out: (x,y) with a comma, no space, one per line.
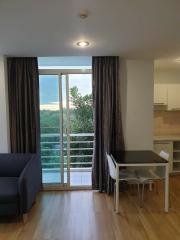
(80,149)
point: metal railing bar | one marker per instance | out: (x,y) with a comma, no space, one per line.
(74,156)
(75,140)
(81,141)
(76,163)
(70,142)
(73,149)
(71,135)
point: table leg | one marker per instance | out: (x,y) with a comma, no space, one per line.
(150,186)
(117,189)
(166,194)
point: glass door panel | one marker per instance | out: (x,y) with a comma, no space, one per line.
(65,127)
(50,119)
(81,129)
(67,132)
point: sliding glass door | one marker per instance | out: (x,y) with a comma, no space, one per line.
(54,129)
(66,129)
(81,129)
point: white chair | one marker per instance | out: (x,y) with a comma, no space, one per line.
(159,172)
(124,175)
(148,176)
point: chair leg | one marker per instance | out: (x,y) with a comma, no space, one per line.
(139,193)
(108,185)
(157,187)
(114,195)
(25,218)
(142,196)
(150,185)
(169,200)
(131,189)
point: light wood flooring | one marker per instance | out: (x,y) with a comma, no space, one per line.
(89,215)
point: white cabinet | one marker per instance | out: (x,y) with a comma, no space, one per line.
(160,94)
(166,146)
(167,95)
(174,97)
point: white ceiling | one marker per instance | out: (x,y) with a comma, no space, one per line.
(129,28)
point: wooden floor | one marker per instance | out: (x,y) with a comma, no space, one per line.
(88,215)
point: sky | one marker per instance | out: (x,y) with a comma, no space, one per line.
(65,62)
(49,88)
(49,84)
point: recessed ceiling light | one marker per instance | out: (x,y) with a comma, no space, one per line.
(82,44)
(83,14)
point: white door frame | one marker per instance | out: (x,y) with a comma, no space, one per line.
(60,73)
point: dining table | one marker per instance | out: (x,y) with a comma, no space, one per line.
(140,158)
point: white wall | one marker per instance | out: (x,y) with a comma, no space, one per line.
(137,84)
(4,126)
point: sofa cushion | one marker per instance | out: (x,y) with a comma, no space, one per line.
(9,209)
(8,189)
(11,165)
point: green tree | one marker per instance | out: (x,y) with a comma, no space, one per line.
(49,121)
(81,120)
(82,113)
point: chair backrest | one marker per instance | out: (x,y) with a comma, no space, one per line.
(164,155)
(160,171)
(111,165)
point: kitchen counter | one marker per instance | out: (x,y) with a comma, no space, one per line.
(167,138)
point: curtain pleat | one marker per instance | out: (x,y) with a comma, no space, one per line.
(107,117)
(23,92)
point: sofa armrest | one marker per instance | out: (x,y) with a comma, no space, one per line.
(29,183)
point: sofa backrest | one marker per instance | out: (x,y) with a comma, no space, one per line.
(11,165)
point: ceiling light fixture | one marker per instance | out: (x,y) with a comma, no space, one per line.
(82,44)
(83,14)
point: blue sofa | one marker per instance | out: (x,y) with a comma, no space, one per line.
(20,181)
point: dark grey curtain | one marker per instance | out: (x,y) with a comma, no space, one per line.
(107,116)
(23,89)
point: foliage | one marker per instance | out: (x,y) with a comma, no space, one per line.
(49,121)
(82,117)
(81,121)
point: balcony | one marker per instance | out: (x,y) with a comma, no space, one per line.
(81,152)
